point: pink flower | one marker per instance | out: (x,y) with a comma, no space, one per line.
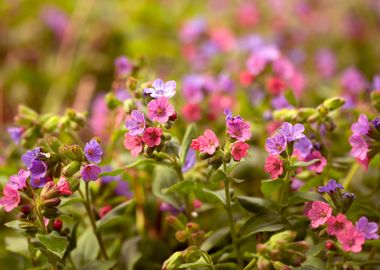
(319,213)
(351,239)
(160,110)
(191,112)
(239,150)
(133,144)
(274,166)
(19,181)
(64,186)
(319,165)
(152,136)
(336,225)
(207,143)
(11,198)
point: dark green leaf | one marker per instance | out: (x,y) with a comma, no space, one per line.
(253,204)
(163,178)
(87,249)
(265,222)
(54,243)
(215,239)
(183,187)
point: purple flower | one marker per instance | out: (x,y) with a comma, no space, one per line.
(353,81)
(90,172)
(376,122)
(166,207)
(39,182)
(369,229)
(15,133)
(304,147)
(123,66)
(290,132)
(19,181)
(193,87)
(122,189)
(135,123)
(38,169)
(359,147)
(376,82)
(31,155)
(161,89)
(109,179)
(56,19)
(276,144)
(280,102)
(361,127)
(325,62)
(237,128)
(330,187)
(93,151)
(189,161)
(192,29)
(296,184)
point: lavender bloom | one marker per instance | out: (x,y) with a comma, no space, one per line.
(93,151)
(19,181)
(353,81)
(90,172)
(290,132)
(304,146)
(361,127)
(369,229)
(280,102)
(189,161)
(122,94)
(330,187)
(161,89)
(376,83)
(135,123)
(39,182)
(56,19)
(192,29)
(376,122)
(38,169)
(224,83)
(256,64)
(237,128)
(123,66)
(193,87)
(122,189)
(276,144)
(31,155)
(15,133)
(325,62)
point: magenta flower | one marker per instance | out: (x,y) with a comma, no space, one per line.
(93,151)
(239,150)
(369,229)
(238,129)
(319,165)
(351,239)
(19,181)
(135,123)
(256,64)
(152,136)
(318,213)
(10,199)
(90,172)
(290,132)
(276,144)
(133,144)
(160,110)
(64,186)
(361,127)
(335,225)
(274,166)
(359,147)
(207,143)
(160,89)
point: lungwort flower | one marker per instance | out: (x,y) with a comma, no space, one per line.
(135,123)
(93,151)
(207,143)
(160,110)
(161,89)
(10,199)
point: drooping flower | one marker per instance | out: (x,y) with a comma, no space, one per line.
(135,123)
(303,146)
(160,89)
(274,166)
(152,136)
(15,133)
(133,144)
(290,132)
(39,182)
(19,181)
(320,164)
(31,155)
(10,199)
(206,143)
(369,229)
(160,110)
(90,172)
(64,186)
(359,147)
(330,187)
(361,127)
(189,160)
(38,169)
(319,213)
(335,225)
(238,129)
(351,239)
(93,151)
(239,150)
(276,144)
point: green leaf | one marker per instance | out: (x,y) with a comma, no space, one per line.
(372,243)
(17,245)
(213,196)
(253,204)
(264,222)
(131,253)
(215,239)
(99,265)
(183,187)
(112,173)
(87,249)
(189,135)
(163,178)
(305,163)
(301,197)
(54,243)
(272,188)
(316,249)
(116,214)
(70,201)
(217,176)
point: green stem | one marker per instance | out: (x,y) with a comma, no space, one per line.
(231,221)
(251,264)
(91,216)
(285,191)
(34,263)
(347,181)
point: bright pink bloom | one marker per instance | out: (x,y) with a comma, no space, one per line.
(11,198)
(275,85)
(319,213)
(64,186)
(152,136)
(133,144)
(197,204)
(160,110)
(319,165)
(191,112)
(207,143)
(274,166)
(351,239)
(336,225)
(19,181)
(246,78)
(239,150)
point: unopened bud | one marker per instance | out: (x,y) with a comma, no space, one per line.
(280,266)
(334,103)
(71,152)
(192,226)
(51,124)
(54,144)
(174,261)
(57,224)
(301,246)
(263,264)
(112,101)
(72,168)
(26,115)
(181,236)
(191,254)
(347,200)
(175,223)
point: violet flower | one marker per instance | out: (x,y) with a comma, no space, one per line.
(135,123)
(93,151)
(290,132)
(276,144)
(161,89)
(39,182)
(16,134)
(330,187)
(189,160)
(90,172)
(304,146)
(369,229)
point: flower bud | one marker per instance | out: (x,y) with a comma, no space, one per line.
(263,264)
(71,152)
(26,115)
(334,103)
(305,113)
(51,124)
(50,212)
(181,236)
(175,223)
(280,266)
(49,191)
(57,224)
(191,254)
(72,168)
(192,226)
(52,202)
(293,257)
(26,225)
(301,246)
(54,144)
(112,101)
(174,261)
(347,200)
(129,106)
(330,245)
